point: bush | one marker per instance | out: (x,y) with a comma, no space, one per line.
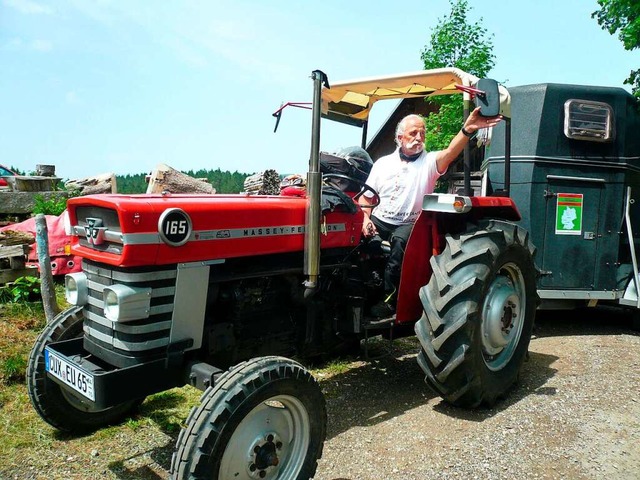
(52,206)
(24,289)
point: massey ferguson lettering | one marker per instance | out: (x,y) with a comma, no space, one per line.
(263,232)
(252,232)
(288,230)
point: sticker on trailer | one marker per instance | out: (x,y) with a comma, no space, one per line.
(569,214)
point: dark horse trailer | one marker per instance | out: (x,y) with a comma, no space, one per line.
(575,175)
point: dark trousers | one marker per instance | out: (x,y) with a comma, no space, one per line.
(397,236)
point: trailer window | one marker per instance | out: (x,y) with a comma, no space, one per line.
(588,120)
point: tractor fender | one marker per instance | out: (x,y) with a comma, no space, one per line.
(425,241)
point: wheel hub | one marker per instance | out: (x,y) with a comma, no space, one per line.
(265,455)
(270,442)
(501,311)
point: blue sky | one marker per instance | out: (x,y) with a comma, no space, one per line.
(121,86)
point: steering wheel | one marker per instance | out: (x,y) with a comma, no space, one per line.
(363,187)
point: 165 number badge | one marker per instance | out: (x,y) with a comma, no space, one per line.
(174,227)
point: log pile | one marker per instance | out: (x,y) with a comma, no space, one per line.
(263,183)
(14,247)
(19,197)
(14,237)
(167,179)
(104,183)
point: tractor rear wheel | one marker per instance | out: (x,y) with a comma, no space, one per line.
(264,418)
(479,308)
(54,404)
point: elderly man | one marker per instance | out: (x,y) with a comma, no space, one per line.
(402,179)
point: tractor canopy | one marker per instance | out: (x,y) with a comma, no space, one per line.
(351,101)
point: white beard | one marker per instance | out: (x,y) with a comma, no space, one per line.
(414,147)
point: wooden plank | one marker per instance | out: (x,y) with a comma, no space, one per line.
(14,203)
(9,275)
(13,251)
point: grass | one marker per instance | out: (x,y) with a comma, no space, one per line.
(21,321)
(138,448)
(19,325)
(335,367)
(29,448)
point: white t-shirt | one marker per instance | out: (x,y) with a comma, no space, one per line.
(402,185)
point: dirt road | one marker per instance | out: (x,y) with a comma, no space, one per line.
(575,414)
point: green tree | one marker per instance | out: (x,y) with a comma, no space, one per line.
(623,17)
(455,43)
(223,182)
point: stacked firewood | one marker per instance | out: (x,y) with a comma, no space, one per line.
(104,183)
(166,179)
(14,246)
(263,183)
(14,237)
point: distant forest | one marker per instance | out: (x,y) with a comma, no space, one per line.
(223,182)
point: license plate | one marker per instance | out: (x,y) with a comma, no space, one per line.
(69,374)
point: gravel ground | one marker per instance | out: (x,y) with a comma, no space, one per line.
(574,414)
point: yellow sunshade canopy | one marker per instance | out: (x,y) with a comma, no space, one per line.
(351,101)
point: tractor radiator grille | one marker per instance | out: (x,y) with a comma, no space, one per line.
(124,344)
(106,227)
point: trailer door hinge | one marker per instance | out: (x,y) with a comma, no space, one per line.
(549,194)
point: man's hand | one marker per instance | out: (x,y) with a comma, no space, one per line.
(368,228)
(475,121)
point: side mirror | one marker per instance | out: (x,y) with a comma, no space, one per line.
(489,101)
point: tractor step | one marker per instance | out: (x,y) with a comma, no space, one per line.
(378,326)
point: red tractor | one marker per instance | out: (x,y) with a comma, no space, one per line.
(216,291)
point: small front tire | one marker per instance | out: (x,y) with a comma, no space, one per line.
(264,418)
(58,407)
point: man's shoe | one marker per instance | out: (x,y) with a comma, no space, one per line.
(383,310)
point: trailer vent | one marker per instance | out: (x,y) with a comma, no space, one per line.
(588,120)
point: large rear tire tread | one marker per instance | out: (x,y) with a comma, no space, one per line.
(48,398)
(210,425)
(453,357)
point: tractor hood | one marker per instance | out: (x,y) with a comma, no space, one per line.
(136,230)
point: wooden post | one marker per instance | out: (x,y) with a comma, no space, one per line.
(47,290)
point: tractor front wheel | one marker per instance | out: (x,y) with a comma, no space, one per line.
(264,418)
(58,407)
(479,308)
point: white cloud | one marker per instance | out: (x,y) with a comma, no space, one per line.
(200,34)
(18,43)
(15,43)
(41,45)
(72,98)
(29,7)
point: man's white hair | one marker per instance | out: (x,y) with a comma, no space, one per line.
(402,124)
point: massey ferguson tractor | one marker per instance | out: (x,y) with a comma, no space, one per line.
(217,291)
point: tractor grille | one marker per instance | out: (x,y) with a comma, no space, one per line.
(108,220)
(124,344)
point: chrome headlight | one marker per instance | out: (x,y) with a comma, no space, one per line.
(123,303)
(75,288)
